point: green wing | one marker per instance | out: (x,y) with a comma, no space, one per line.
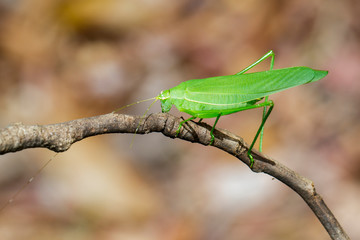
(243,88)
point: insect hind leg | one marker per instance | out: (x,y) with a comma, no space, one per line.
(267,55)
(260,130)
(271,53)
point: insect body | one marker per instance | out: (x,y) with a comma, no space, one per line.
(209,97)
(217,96)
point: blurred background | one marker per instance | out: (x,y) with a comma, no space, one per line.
(66,59)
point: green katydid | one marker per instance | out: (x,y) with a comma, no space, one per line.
(217,96)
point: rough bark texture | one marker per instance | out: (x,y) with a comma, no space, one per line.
(59,137)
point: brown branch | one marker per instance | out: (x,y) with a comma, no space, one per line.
(59,137)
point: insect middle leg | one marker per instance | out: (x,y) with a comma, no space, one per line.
(212,129)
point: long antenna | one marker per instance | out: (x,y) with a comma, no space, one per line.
(11,200)
(141,120)
(129,105)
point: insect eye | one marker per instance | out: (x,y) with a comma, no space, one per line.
(164,95)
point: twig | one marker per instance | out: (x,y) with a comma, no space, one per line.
(59,137)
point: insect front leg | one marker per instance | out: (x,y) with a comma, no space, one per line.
(181,123)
